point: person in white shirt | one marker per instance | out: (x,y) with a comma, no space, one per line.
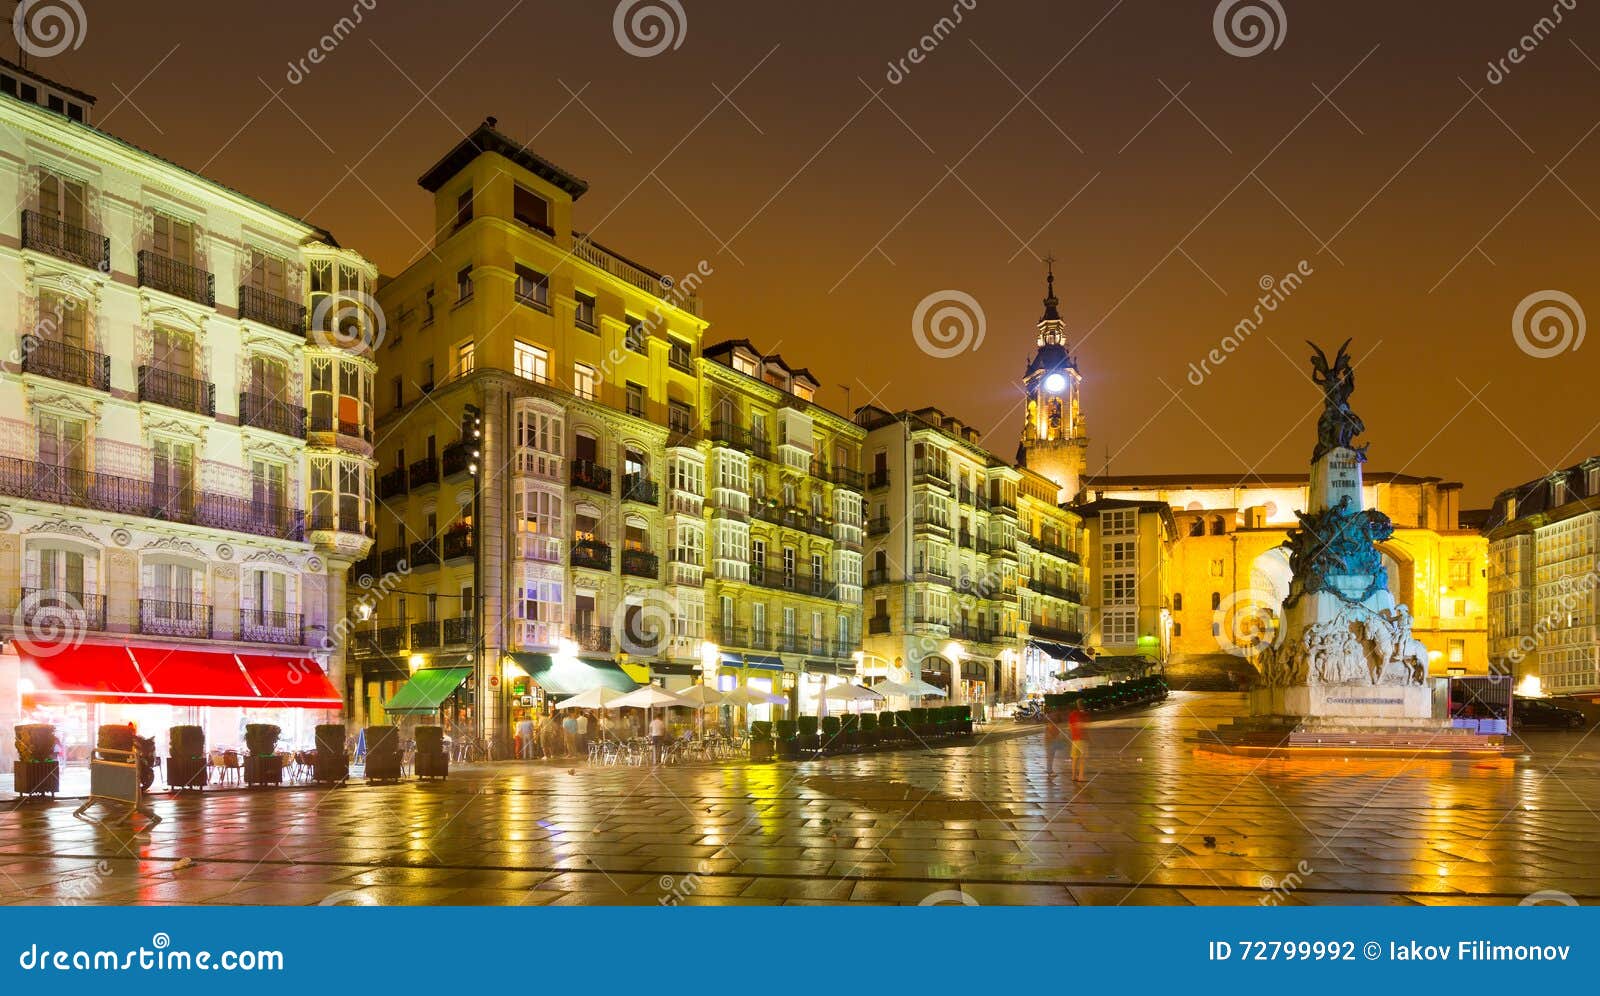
(658,735)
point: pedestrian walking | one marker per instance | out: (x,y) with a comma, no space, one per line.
(569,734)
(658,735)
(1077,723)
(525,743)
(1055,740)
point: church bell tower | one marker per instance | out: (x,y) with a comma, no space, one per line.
(1055,443)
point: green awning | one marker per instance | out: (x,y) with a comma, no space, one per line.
(564,676)
(426,691)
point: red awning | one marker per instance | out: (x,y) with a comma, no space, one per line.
(180,677)
(290,682)
(91,672)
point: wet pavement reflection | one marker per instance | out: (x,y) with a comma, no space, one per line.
(1158,822)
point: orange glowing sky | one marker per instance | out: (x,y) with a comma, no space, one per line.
(1426,201)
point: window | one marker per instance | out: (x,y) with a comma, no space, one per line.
(173,350)
(637,338)
(1460,572)
(532,363)
(530,209)
(538,512)
(680,418)
(173,485)
(464,357)
(745,365)
(1216,600)
(585,381)
(268,273)
(533,287)
(636,400)
(583,310)
(1177,602)
(173,238)
(1458,651)
(758,554)
(427,307)
(61,319)
(463,208)
(61,199)
(1118,523)
(399,392)
(1119,554)
(679,354)
(464,284)
(62,571)
(1177,629)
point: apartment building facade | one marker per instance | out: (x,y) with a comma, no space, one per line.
(1543,570)
(185,454)
(972,567)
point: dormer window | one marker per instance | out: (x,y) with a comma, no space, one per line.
(745,365)
(1558,491)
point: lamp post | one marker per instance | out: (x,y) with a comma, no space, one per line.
(472,426)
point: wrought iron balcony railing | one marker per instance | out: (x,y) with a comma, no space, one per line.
(58,361)
(260,626)
(64,241)
(162,617)
(177,390)
(590,475)
(179,279)
(262,411)
(45,610)
(591,554)
(281,313)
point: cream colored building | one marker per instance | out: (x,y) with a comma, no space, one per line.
(1544,569)
(1226,563)
(185,469)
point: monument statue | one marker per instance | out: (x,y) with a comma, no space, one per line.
(1338,425)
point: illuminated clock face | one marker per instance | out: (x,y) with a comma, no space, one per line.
(1055,383)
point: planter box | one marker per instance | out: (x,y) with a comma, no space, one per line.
(810,744)
(383,766)
(432,764)
(788,750)
(266,770)
(38,777)
(331,767)
(761,750)
(186,773)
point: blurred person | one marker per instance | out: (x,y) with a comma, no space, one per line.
(1077,730)
(525,737)
(1055,740)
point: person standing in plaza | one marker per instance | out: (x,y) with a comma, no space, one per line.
(525,737)
(1055,741)
(583,731)
(658,735)
(1077,723)
(569,734)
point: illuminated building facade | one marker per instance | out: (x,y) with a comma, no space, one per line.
(1055,441)
(1544,568)
(970,561)
(185,436)
(1224,563)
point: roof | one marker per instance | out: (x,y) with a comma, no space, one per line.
(486,138)
(34,74)
(1538,498)
(1232,479)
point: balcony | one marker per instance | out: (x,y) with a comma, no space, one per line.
(58,485)
(392,559)
(724,433)
(424,555)
(178,279)
(160,617)
(684,503)
(425,635)
(262,412)
(1004,506)
(934,577)
(392,484)
(44,610)
(973,633)
(595,639)
(1057,633)
(458,632)
(686,571)
(641,564)
(592,554)
(391,638)
(636,487)
(1071,593)
(457,545)
(925,524)
(728,636)
(269,309)
(176,390)
(846,477)
(423,473)
(879,479)
(58,361)
(456,460)
(927,471)
(878,625)
(261,626)
(878,525)
(799,582)
(877,576)
(63,241)
(1055,549)
(590,475)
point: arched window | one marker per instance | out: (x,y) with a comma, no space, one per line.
(1197,527)
(1177,602)
(1218,526)
(1216,600)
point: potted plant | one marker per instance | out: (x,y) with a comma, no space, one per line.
(867,731)
(262,765)
(431,760)
(787,739)
(383,754)
(332,764)
(186,757)
(832,741)
(38,772)
(964,720)
(761,740)
(810,740)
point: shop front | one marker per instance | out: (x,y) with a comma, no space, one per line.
(936,670)
(762,672)
(435,696)
(553,677)
(79,688)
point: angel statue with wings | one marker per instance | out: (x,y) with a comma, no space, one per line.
(1338,425)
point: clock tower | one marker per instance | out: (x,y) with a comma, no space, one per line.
(1054,441)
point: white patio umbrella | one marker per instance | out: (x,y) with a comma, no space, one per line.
(598,697)
(648,698)
(851,693)
(748,696)
(911,688)
(700,696)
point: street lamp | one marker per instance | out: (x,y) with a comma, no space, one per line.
(472,421)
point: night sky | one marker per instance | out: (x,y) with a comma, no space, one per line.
(1424,214)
